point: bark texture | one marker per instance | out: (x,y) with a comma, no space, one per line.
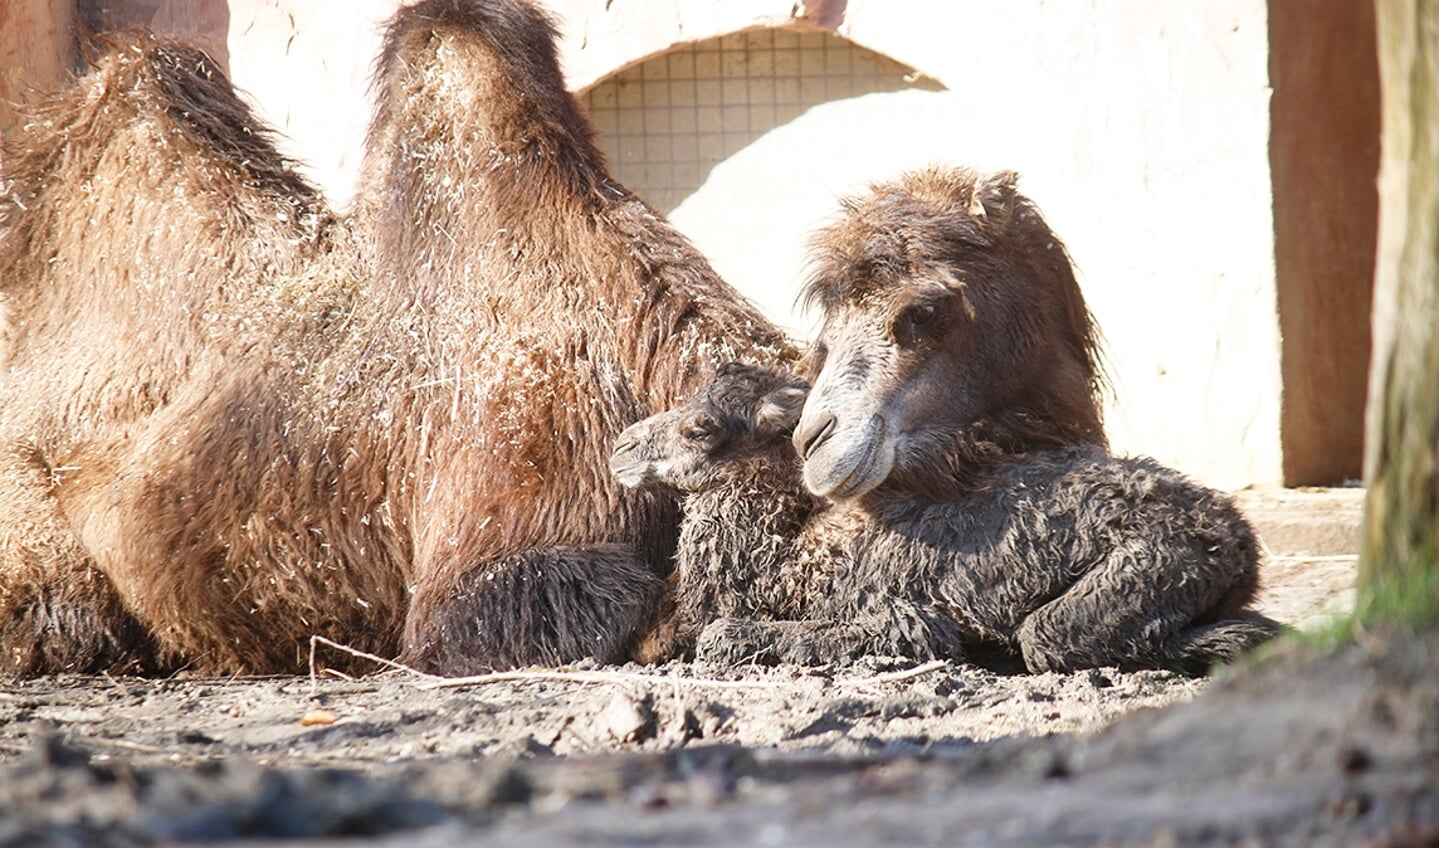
(1398,580)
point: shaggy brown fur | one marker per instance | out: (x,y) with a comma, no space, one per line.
(239,421)
(727,450)
(952,319)
(978,515)
(1074,559)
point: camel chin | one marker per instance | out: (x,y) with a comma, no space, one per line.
(853,460)
(634,475)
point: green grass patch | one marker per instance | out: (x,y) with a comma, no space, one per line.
(1405,599)
(1404,596)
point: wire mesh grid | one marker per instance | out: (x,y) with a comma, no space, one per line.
(666,122)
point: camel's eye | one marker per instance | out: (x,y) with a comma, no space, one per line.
(922,321)
(813,361)
(701,428)
(922,315)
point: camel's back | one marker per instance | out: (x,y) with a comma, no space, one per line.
(1002,552)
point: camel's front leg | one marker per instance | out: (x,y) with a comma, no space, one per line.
(58,612)
(543,606)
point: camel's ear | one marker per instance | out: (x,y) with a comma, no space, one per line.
(976,203)
(992,195)
(779,411)
(995,196)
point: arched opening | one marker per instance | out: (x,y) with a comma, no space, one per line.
(666,122)
(746,140)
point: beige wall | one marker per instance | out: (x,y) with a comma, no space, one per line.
(307,66)
(1141,129)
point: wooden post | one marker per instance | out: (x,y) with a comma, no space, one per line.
(1398,577)
(37,48)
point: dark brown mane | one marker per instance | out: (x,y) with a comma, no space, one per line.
(887,235)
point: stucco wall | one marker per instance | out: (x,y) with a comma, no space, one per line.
(1140,129)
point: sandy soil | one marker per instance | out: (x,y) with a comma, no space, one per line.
(1302,751)
(1298,749)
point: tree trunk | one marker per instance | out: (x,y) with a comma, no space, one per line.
(1398,577)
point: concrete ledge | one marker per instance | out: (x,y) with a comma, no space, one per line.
(1311,537)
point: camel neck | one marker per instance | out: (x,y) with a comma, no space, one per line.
(736,547)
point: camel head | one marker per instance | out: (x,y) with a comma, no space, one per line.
(953,336)
(737,427)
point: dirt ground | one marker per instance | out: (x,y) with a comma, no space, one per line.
(1298,749)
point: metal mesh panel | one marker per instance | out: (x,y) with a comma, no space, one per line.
(666,122)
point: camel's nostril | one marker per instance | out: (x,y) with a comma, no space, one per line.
(809,438)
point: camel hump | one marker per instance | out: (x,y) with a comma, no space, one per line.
(138,199)
(489,70)
(200,103)
(146,172)
(142,86)
(516,33)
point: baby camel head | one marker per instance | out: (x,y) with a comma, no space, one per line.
(954,337)
(736,428)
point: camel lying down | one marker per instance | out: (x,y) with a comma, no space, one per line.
(727,451)
(954,425)
(1074,559)
(232,419)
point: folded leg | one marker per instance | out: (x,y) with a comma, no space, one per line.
(544,606)
(58,613)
